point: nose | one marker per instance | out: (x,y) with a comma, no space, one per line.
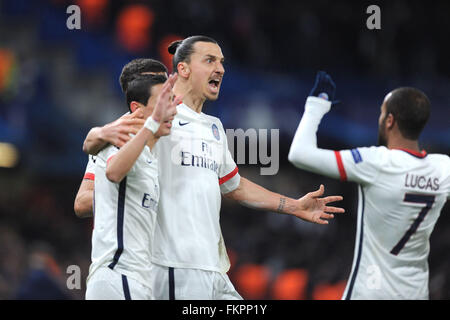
(219,67)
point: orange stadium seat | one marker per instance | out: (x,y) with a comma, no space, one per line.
(133,27)
(94,11)
(326,291)
(252,281)
(290,285)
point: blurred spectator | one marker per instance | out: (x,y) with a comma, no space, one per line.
(44,279)
(8,71)
(12,260)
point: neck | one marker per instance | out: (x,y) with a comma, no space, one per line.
(402,143)
(190,99)
(193,102)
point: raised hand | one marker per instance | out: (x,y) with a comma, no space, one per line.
(166,107)
(314,209)
(324,87)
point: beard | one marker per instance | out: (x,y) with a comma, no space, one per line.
(382,141)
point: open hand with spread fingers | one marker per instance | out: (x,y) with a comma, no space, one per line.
(314,209)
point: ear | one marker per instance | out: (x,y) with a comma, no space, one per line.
(134,106)
(390,121)
(183,69)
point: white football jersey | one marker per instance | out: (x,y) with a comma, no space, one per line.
(401,194)
(124,217)
(195,167)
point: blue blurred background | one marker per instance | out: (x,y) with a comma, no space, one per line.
(56,83)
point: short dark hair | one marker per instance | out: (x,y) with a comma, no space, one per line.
(140,88)
(137,67)
(183,49)
(411,109)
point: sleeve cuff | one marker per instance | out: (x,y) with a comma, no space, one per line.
(228,176)
(317,105)
(230,182)
(89,176)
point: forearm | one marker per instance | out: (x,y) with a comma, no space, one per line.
(122,162)
(83,204)
(304,152)
(256,197)
(94,141)
(309,207)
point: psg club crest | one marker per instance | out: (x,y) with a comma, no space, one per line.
(215,132)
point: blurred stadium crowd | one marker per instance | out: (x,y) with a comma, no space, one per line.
(56,83)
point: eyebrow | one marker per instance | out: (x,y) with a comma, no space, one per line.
(214,57)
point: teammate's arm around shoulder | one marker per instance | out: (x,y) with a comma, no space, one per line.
(116,133)
(156,125)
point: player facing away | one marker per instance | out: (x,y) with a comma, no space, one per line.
(116,133)
(126,197)
(402,190)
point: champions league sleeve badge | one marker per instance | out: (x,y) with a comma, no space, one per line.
(215,132)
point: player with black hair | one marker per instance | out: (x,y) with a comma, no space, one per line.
(140,66)
(402,190)
(183,49)
(117,132)
(411,109)
(204,77)
(126,198)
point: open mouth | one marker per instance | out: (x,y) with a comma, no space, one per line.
(214,85)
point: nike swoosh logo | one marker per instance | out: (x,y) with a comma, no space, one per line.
(183,124)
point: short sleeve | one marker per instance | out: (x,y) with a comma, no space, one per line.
(89,174)
(229,177)
(105,155)
(360,165)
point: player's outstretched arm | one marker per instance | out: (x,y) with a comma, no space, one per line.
(304,152)
(310,208)
(116,133)
(157,125)
(83,201)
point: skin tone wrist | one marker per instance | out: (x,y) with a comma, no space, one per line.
(101,133)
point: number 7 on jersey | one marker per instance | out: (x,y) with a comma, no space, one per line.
(415,198)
